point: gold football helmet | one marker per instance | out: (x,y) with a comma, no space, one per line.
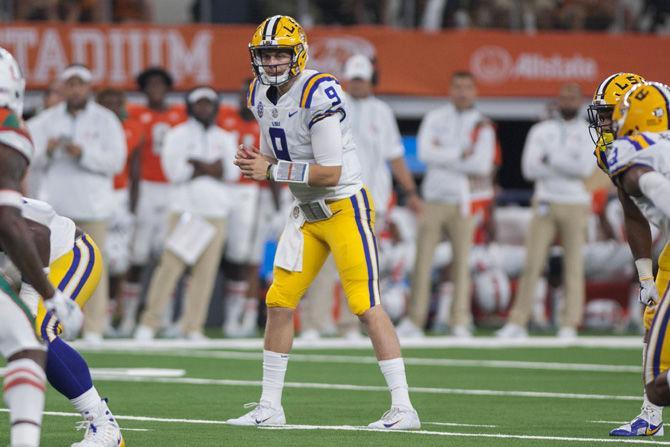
(644,108)
(607,95)
(278,33)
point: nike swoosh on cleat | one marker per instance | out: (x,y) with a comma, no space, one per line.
(651,430)
(391,425)
(260,422)
(290,114)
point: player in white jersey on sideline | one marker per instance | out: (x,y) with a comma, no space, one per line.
(306,142)
(24,380)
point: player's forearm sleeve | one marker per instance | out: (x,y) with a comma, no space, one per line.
(327,141)
(657,189)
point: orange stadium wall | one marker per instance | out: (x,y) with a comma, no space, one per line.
(506,64)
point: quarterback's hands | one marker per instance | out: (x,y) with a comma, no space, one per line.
(68,313)
(648,293)
(252,164)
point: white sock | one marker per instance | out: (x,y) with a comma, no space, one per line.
(394,373)
(23,389)
(88,403)
(274,370)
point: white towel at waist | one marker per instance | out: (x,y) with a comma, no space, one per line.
(291,243)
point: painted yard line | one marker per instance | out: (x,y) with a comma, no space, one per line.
(135,418)
(609,422)
(415,361)
(204,421)
(458,424)
(632,342)
(348,387)
(353,428)
(467,435)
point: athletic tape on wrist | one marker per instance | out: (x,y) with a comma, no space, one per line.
(12,198)
(644,269)
(291,172)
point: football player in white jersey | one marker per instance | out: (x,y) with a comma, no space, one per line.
(638,161)
(24,381)
(74,265)
(306,142)
(637,232)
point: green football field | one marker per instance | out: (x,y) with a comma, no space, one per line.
(507,396)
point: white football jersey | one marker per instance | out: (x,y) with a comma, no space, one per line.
(286,129)
(62,229)
(647,149)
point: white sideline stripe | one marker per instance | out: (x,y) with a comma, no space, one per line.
(136,429)
(631,342)
(348,387)
(465,435)
(315,358)
(458,424)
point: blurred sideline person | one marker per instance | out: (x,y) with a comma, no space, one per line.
(378,147)
(24,378)
(34,179)
(197,158)
(252,211)
(74,265)
(457,143)
(306,142)
(637,232)
(157,117)
(121,224)
(637,161)
(83,146)
(557,157)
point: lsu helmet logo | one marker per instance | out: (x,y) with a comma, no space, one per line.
(608,94)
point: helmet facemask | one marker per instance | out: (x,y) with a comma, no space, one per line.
(263,71)
(600,123)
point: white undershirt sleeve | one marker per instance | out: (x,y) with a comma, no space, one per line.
(327,141)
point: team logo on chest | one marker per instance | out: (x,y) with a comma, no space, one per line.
(259,109)
(275,113)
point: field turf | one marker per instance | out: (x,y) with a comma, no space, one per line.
(465,397)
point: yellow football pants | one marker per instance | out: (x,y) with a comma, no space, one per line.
(349,235)
(76,273)
(657,354)
(662,281)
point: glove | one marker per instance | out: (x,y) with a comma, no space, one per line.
(68,313)
(648,293)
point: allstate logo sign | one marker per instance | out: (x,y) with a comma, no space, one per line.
(491,64)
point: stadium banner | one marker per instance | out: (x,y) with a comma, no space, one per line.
(410,62)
